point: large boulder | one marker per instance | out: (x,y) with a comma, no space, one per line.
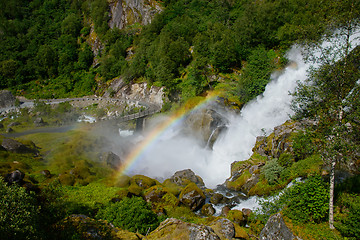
(6,99)
(111,159)
(206,124)
(12,145)
(15,177)
(192,197)
(276,229)
(174,229)
(184,177)
(224,228)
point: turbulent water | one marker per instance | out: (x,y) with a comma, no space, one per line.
(173,151)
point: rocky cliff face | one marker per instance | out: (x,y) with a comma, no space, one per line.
(138,92)
(6,99)
(128,12)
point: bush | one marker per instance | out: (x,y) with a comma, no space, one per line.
(132,214)
(272,171)
(348,221)
(303,202)
(307,201)
(19,214)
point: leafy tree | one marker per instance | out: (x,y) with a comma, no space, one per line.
(325,95)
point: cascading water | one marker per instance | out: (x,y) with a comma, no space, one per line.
(173,151)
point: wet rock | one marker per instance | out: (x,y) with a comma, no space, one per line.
(225,210)
(12,145)
(111,159)
(192,196)
(15,177)
(276,229)
(208,210)
(173,228)
(7,99)
(206,124)
(218,198)
(184,177)
(224,228)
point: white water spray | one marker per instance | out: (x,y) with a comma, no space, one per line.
(170,154)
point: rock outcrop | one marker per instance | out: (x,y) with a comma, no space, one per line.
(276,229)
(6,99)
(128,12)
(137,91)
(206,124)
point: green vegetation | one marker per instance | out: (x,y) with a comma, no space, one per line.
(19,214)
(133,214)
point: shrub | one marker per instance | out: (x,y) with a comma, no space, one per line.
(348,221)
(19,214)
(304,145)
(132,214)
(272,171)
(307,201)
(303,202)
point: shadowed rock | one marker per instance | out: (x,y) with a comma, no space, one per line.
(276,229)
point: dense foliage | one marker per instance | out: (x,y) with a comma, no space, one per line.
(46,45)
(19,213)
(133,214)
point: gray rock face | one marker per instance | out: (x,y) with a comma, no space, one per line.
(128,12)
(224,228)
(206,124)
(6,99)
(276,229)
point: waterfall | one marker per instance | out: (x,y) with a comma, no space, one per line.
(173,151)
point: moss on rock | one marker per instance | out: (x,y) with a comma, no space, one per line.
(192,196)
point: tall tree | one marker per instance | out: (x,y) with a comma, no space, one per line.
(326,95)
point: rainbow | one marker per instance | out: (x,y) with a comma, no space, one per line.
(151,139)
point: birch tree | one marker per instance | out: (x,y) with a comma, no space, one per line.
(329,94)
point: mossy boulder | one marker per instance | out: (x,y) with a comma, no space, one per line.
(184,177)
(142,181)
(192,196)
(224,228)
(236,216)
(240,232)
(172,187)
(122,181)
(174,229)
(155,193)
(84,227)
(208,210)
